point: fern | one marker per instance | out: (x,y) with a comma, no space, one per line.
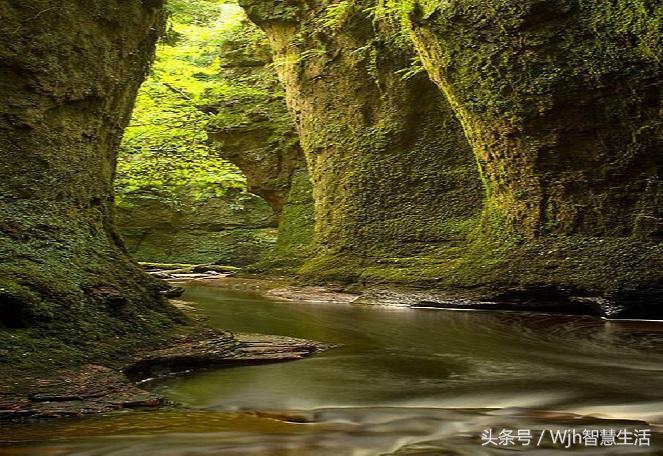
(337,14)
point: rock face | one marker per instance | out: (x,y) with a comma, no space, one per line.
(253,130)
(69,77)
(558,101)
(393,175)
(295,232)
(86,390)
(234,229)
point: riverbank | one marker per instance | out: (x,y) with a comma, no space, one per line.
(537,299)
(401,381)
(97,388)
(546,300)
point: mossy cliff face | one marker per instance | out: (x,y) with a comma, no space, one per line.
(252,129)
(70,75)
(560,100)
(233,229)
(393,176)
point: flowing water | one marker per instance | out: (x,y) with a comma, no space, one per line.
(404,381)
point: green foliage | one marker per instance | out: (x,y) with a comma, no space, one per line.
(197,12)
(416,67)
(337,14)
(396,11)
(165,148)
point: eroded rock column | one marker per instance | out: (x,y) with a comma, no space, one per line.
(254,131)
(69,75)
(561,102)
(393,176)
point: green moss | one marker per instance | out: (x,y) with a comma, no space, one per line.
(393,175)
(234,229)
(334,268)
(252,128)
(295,232)
(69,291)
(238,247)
(547,96)
(557,100)
(52,306)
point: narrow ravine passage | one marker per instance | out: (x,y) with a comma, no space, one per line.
(398,159)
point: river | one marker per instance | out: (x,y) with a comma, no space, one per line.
(402,381)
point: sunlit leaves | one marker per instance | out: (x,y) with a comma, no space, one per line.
(165,149)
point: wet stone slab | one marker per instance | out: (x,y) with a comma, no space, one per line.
(94,388)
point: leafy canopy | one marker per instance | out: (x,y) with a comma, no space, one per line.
(165,150)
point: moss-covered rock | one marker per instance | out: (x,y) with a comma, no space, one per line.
(294,244)
(559,101)
(234,229)
(251,126)
(68,290)
(252,129)
(393,174)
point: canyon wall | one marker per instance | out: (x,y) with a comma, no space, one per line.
(560,100)
(251,128)
(554,105)
(394,181)
(233,229)
(69,79)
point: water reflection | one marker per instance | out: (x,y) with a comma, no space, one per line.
(352,431)
(403,382)
(430,358)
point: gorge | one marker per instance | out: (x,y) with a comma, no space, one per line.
(456,153)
